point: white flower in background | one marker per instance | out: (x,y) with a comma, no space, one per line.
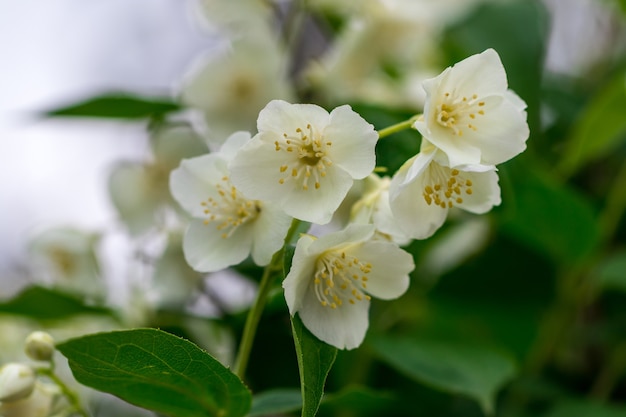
(471,115)
(373,208)
(66,258)
(232,87)
(139,190)
(376,60)
(227,226)
(252,18)
(17,382)
(332,279)
(305,159)
(44,400)
(426,187)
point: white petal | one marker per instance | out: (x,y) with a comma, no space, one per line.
(389,276)
(207,251)
(233,143)
(193,181)
(282,117)
(503,135)
(459,151)
(418,219)
(318,205)
(342,327)
(353,233)
(300,275)
(482,74)
(353,142)
(485,192)
(270,228)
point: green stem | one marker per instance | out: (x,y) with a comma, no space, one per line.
(609,374)
(407,124)
(254,315)
(71,396)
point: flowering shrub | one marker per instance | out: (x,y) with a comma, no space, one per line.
(349,209)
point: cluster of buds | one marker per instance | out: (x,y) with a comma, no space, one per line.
(22,391)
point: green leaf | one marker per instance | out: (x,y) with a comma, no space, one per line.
(550,217)
(612,272)
(117,106)
(275,402)
(46,304)
(315,358)
(579,408)
(477,372)
(360,401)
(600,128)
(158,371)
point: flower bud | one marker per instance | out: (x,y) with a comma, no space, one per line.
(16,382)
(39,346)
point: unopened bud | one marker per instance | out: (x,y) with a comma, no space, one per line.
(39,346)
(16,382)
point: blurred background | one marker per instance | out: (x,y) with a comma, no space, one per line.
(557,238)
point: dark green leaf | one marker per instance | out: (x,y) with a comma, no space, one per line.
(117,106)
(47,304)
(550,217)
(477,372)
(586,409)
(275,402)
(600,128)
(315,358)
(157,371)
(359,401)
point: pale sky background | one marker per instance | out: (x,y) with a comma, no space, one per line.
(54,172)
(55,52)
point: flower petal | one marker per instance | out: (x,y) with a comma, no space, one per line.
(207,251)
(342,327)
(485,192)
(418,219)
(353,141)
(270,228)
(299,276)
(193,181)
(282,117)
(389,276)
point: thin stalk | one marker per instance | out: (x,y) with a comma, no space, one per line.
(71,396)
(397,127)
(254,315)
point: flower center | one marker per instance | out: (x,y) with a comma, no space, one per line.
(340,277)
(230,210)
(444,186)
(459,113)
(311,157)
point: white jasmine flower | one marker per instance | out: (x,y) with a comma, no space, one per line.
(426,187)
(45,400)
(67,258)
(332,279)
(231,88)
(227,227)
(138,190)
(471,115)
(373,208)
(305,159)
